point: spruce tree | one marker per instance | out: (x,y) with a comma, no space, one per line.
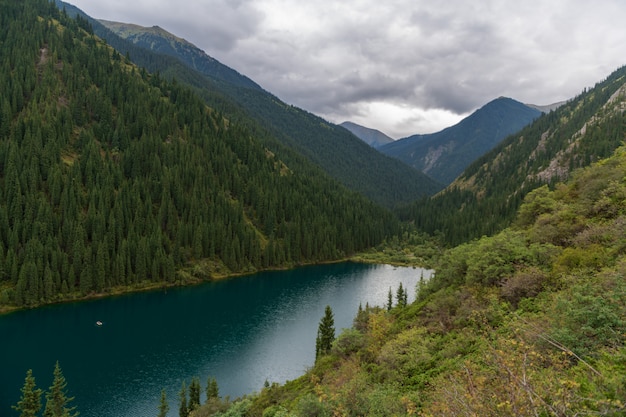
(163,406)
(30,402)
(183,410)
(401,296)
(325,333)
(389,300)
(56,397)
(212,390)
(194,393)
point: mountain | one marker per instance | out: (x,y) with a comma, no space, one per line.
(484,199)
(374,138)
(445,154)
(163,42)
(338,152)
(114,179)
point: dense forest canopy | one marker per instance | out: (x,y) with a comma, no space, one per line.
(113,177)
(336,151)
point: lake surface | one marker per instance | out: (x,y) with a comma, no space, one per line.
(242,331)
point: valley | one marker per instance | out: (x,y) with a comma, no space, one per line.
(132,160)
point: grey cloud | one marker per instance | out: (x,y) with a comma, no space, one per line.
(337,58)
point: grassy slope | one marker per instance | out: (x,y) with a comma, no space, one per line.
(527,322)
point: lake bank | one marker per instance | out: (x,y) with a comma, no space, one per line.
(242,331)
(187,279)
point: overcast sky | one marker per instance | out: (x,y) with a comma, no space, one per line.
(400,66)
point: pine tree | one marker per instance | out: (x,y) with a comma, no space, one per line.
(183,410)
(389,300)
(56,397)
(401,296)
(212,390)
(325,333)
(163,406)
(194,393)
(30,402)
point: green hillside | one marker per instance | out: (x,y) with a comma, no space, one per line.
(338,152)
(484,199)
(114,179)
(529,322)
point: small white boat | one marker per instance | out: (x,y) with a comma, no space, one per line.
(99,323)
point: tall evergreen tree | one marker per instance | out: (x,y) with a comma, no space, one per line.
(401,296)
(163,405)
(29,404)
(56,398)
(325,333)
(194,393)
(212,390)
(183,410)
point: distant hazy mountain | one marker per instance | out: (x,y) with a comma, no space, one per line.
(445,154)
(547,108)
(374,138)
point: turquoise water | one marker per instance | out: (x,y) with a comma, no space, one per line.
(242,331)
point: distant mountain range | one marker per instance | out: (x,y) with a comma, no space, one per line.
(374,138)
(445,154)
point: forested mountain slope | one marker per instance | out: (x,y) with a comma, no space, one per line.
(484,199)
(529,322)
(111,177)
(445,154)
(338,152)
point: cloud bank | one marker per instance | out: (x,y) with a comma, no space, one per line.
(400,66)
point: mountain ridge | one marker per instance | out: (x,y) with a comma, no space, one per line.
(164,42)
(445,154)
(338,152)
(485,197)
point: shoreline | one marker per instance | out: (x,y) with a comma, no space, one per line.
(185,279)
(188,281)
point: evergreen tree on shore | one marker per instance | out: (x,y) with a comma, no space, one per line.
(183,409)
(29,404)
(212,390)
(194,393)
(164,407)
(56,398)
(325,334)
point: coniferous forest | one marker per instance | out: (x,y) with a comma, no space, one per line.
(113,177)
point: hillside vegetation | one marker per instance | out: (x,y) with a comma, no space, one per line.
(485,198)
(114,178)
(529,322)
(336,151)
